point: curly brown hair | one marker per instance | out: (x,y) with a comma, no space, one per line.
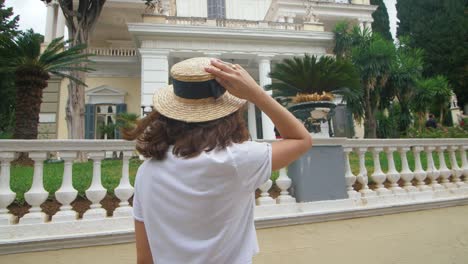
(155,133)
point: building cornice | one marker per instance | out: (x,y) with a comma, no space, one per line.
(148,31)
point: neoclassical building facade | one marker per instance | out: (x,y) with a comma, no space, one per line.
(135,47)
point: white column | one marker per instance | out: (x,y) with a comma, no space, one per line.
(392,174)
(419,173)
(6,195)
(96,192)
(444,171)
(284,182)
(378,176)
(66,194)
(252,121)
(154,73)
(368,25)
(49,30)
(457,172)
(60,23)
(124,191)
(362,176)
(462,150)
(406,174)
(37,194)
(349,176)
(265,198)
(264,64)
(432,172)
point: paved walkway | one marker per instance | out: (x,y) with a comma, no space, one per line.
(437,236)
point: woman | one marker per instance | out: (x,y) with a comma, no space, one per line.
(194,195)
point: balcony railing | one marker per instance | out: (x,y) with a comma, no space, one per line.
(117,52)
(443,178)
(222,23)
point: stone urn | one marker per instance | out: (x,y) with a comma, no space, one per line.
(316,117)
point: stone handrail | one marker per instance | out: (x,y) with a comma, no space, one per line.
(431,182)
(178,20)
(412,184)
(286,26)
(223,23)
(117,52)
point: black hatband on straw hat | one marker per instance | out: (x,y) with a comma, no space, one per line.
(198,90)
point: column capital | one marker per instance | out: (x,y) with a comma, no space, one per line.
(155,53)
(213,54)
(264,57)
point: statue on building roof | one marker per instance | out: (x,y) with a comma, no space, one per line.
(155,7)
(310,15)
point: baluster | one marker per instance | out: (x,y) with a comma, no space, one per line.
(37,194)
(284,182)
(350,177)
(456,170)
(124,191)
(432,172)
(6,195)
(444,171)
(406,174)
(66,194)
(96,192)
(393,175)
(362,176)
(378,176)
(419,173)
(462,150)
(265,197)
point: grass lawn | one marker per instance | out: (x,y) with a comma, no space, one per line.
(21,177)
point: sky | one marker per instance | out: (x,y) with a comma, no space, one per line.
(33,14)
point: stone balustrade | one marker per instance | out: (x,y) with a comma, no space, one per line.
(412,181)
(117,52)
(224,23)
(377,174)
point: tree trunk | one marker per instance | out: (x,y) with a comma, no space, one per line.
(29,85)
(75,108)
(370,124)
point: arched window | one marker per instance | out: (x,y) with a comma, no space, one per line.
(216,8)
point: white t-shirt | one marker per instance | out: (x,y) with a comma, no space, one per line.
(201,210)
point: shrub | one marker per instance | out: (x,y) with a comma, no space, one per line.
(442,132)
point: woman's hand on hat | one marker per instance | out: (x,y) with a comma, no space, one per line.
(235,79)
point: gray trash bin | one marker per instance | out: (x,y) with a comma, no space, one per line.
(319,174)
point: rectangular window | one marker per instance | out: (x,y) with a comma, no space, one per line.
(216,8)
(105,121)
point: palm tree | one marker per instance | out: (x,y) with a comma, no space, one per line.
(309,74)
(406,71)
(22,56)
(373,56)
(431,93)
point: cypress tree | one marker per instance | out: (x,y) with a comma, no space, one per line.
(440,28)
(381,22)
(8,29)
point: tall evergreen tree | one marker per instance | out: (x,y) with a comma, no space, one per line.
(381,22)
(8,29)
(440,28)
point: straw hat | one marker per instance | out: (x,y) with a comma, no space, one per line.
(195,95)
